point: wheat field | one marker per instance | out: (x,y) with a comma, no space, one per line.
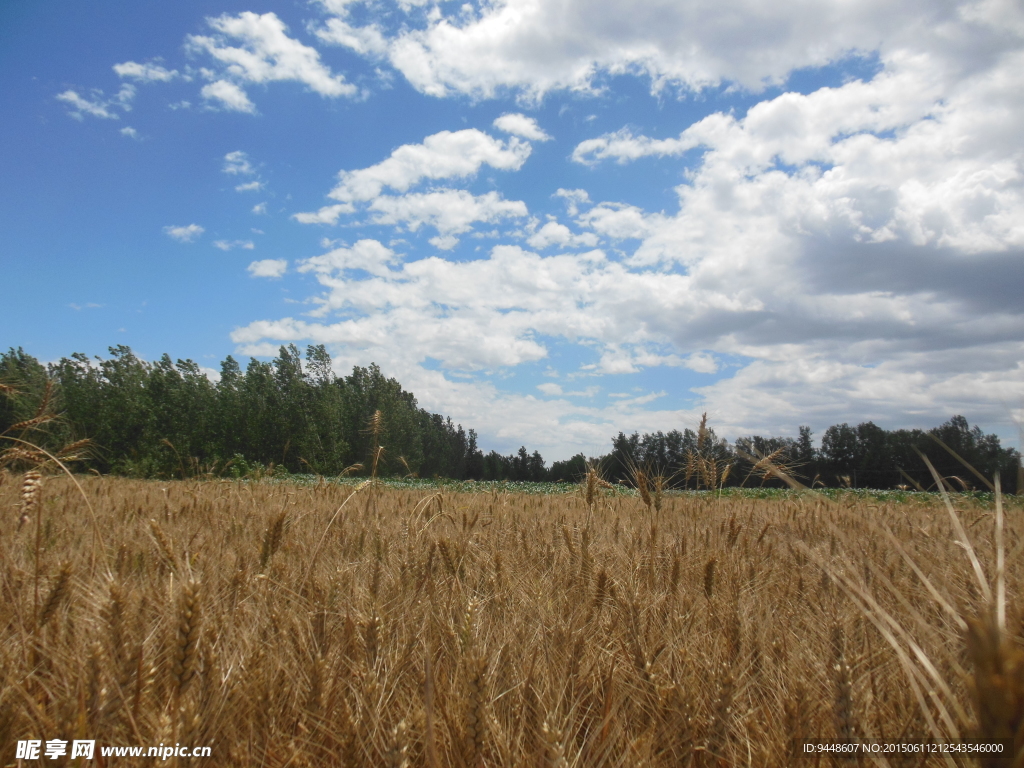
(316,625)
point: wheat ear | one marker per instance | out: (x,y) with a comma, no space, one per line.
(554,747)
(58,592)
(845,725)
(187,639)
(272,538)
(31,491)
(476,715)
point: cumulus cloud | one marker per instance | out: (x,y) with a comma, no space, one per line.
(237,164)
(555,390)
(918,389)
(493,313)
(619,221)
(444,155)
(536,47)
(230,96)
(370,256)
(186,234)
(367,40)
(574,198)
(98,105)
(145,73)
(623,146)
(272,268)
(487,312)
(553,233)
(845,254)
(874,163)
(441,156)
(848,253)
(230,245)
(520,125)
(265,53)
(449,211)
(444,242)
(329,214)
(478,316)
(130,132)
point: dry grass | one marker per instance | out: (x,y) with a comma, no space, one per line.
(293,626)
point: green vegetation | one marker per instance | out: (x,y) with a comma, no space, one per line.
(295,416)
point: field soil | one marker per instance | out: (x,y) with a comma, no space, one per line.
(328,625)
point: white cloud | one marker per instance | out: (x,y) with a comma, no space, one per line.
(229,245)
(327,215)
(273,268)
(574,198)
(259,209)
(98,106)
(449,211)
(488,312)
(145,73)
(369,256)
(905,158)
(444,242)
(553,233)
(520,125)
(623,147)
(211,373)
(847,254)
(619,221)
(701,362)
(366,41)
(537,47)
(130,132)
(444,155)
(554,390)
(187,234)
(237,163)
(267,54)
(229,95)
(916,390)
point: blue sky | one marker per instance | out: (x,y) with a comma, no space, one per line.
(550,220)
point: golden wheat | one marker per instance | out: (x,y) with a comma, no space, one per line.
(492,629)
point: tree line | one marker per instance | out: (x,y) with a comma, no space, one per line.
(167,419)
(294,414)
(861,456)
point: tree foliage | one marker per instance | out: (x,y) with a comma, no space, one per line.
(169,418)
(293,413)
